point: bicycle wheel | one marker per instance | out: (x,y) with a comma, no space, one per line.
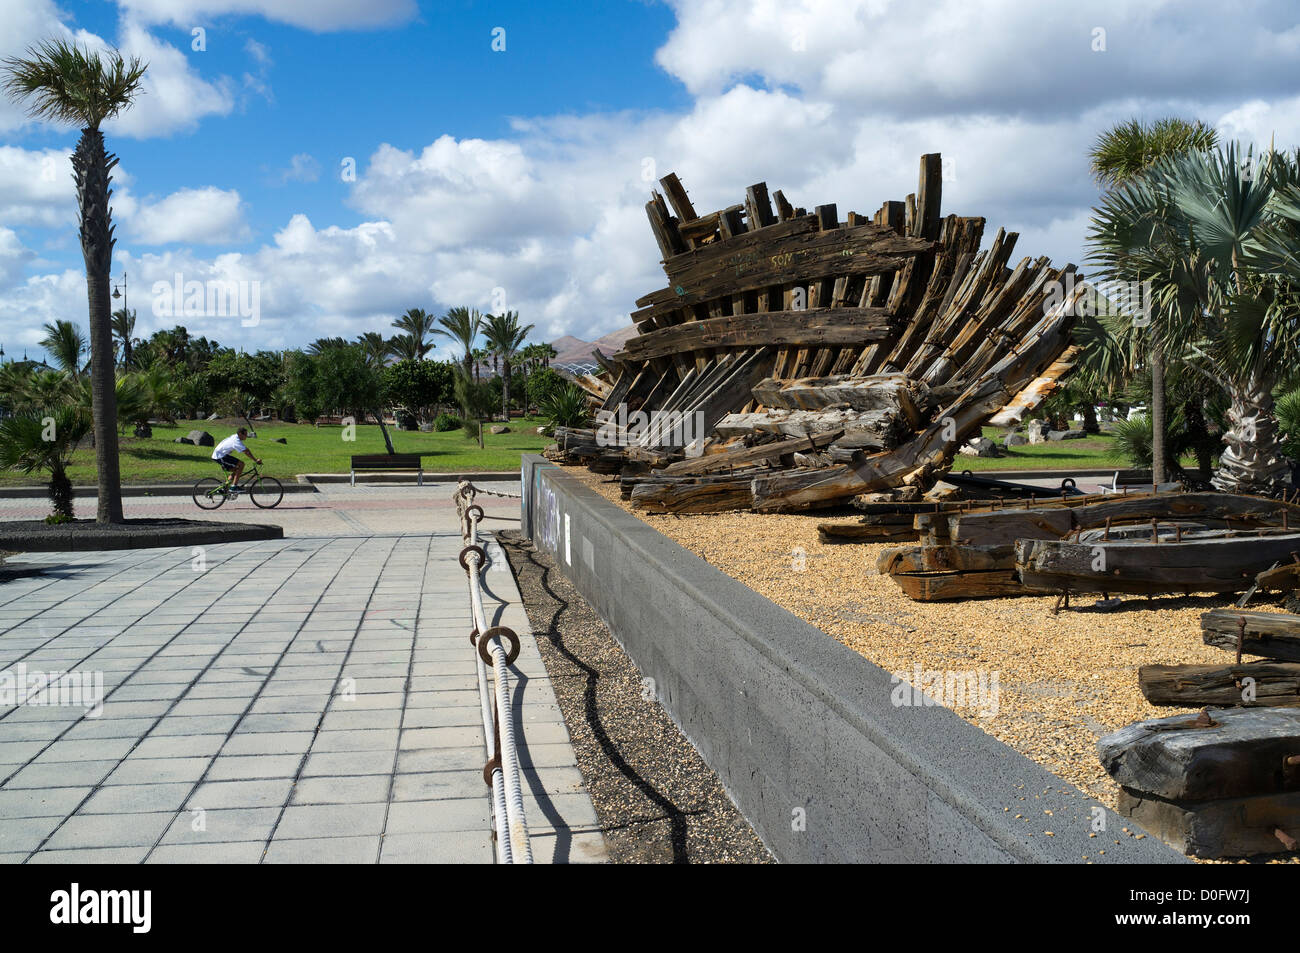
(266,492)
(209,493)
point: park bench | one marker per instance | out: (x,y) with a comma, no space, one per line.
(388,463)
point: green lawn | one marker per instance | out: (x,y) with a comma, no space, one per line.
(308,450)
(1091,453)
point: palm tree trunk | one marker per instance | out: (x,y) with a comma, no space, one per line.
(388,441)
(1157,412)
(1252,460)
(505,391)
(91,167)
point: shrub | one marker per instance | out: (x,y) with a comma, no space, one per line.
(566,407)
(445,422)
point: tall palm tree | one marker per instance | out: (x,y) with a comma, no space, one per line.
(462,325)
(418,324)
(65,343)
(124,331)
(321,345)
(63,83)
(505,337)
(1121,155)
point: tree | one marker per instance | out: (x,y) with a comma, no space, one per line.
(1213,231)
(1121,155)
(65,343)
(44,440)
(541,383)
(124,331)
(417,385)
(418,325)
(374,346)
(64,83)
(404,347)
(475,399)
(338,377)
(505,337)
(461,325)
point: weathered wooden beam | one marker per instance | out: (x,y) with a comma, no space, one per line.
(750,456)
(1274,635)
(819,326)
(1250,684)
(1207,565)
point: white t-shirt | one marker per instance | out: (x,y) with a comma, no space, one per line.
(228,446)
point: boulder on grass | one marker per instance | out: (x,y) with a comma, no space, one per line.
(200,438)
(499,429)
(1037,430)
(143,430)
(1015,440)
(281,440)
(980,447)
(1066,435)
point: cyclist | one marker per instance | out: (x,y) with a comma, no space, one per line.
(224,454)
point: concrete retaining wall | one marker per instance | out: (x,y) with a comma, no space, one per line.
(804,732)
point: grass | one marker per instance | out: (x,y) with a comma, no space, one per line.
(1095,452)
(307,449)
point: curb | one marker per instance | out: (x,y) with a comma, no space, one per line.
(195,534)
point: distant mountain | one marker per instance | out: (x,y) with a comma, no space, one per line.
(572,350)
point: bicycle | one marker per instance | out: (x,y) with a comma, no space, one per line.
(265,492)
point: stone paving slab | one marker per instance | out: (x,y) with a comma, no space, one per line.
(307,699)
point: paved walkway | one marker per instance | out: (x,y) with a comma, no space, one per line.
(299,700)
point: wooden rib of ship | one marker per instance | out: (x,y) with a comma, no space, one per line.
(823,357)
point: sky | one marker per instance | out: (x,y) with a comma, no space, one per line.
(341,161)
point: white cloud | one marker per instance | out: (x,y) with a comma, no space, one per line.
(317,15)
(553,212)
(36,188)
(13,259)
(207,216)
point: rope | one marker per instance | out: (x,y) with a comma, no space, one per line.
(502,768)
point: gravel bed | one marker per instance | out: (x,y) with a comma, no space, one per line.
(1064,680)
(656,799)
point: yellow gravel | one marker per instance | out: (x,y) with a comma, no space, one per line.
(1064,680)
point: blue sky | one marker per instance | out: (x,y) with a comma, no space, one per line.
(520,175)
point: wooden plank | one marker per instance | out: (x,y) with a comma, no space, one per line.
(929,191)
(945,559)
(1213,565)
(751,262)
(941,586)
(1273,684)
(819,326)
(865,533)
(1274,635)
(1230,827)
(749,456)
(677,197)
(1236,752)
(758,207)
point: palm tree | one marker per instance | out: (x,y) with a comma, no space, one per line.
(1213,229)
(418,324)
(44,440)
(461,325)
(375,347)
(505,337)
(405,347)
(65,343)
(64,83)
(124,331)
(1121,155)
(321,345)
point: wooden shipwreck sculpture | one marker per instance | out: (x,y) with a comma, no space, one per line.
(818,358)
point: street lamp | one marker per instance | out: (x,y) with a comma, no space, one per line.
(119,291)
